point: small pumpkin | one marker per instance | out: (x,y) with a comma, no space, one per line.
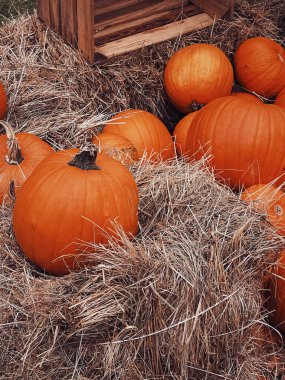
(180,133)
(270,200)
(280,98)
(247,96)
(197,74)
(19,155)
(260,66)
(236,132)
(3,101)
(117,147)
(276,301)
(72,199)
(145,131)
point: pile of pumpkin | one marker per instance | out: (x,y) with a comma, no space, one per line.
(66,200)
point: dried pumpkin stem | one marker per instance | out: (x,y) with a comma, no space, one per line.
(86,159)
(14,155)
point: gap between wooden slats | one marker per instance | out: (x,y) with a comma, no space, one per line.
(151,21)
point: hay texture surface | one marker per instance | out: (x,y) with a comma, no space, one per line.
(183,300)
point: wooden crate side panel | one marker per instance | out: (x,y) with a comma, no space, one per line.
(149,21)
(214,8)
(230,14)
(44,11)
(55,19)
(85,20)
(137,11)
(107,6)
(153,36)
(69,25)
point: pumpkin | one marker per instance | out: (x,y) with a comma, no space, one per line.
(276,301)
(116,146)
(19,155)
(197,74)
(270,200)
(247,96)
(73,199)
(180,133)
(145,131)
(246,141)
(260,66)
(3,101)
(280,98)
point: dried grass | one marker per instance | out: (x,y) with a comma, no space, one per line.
(183,300)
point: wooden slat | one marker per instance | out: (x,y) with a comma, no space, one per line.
(40,9)
(44,11)
(151,21)
(137,11)
(153,36)
(106,6)
(55,20)
(230,14)
(85,18)
(214,8)
(69,27)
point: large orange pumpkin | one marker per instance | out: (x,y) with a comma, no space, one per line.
(280,98)
(260,66)
(276,302)
(246,140)
(3,101)
(180,133)
(270,200)
(247,96)
(145,131)
(117,147)
(197,74)
(19,155)
(72,199)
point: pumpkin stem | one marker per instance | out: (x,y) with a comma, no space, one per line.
(195,106)
(86,159)
(14,156)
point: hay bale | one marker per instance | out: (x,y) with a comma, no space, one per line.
(184,299)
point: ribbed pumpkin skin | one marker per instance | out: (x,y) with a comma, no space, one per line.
(33,150)
(145,131)
(180,133)
(260,66)
(3,101)
(270,200)
(59,209)
(246,140)
(280,98)
(276,300)
(249,97)
(117,147)
(197,74)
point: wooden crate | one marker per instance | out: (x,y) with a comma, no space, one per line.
(106,28)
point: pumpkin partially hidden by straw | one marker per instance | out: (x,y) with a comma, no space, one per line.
(19,155)
(270,200)
(145,131)
(117,147)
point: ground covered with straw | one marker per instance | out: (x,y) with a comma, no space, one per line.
(183,300)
